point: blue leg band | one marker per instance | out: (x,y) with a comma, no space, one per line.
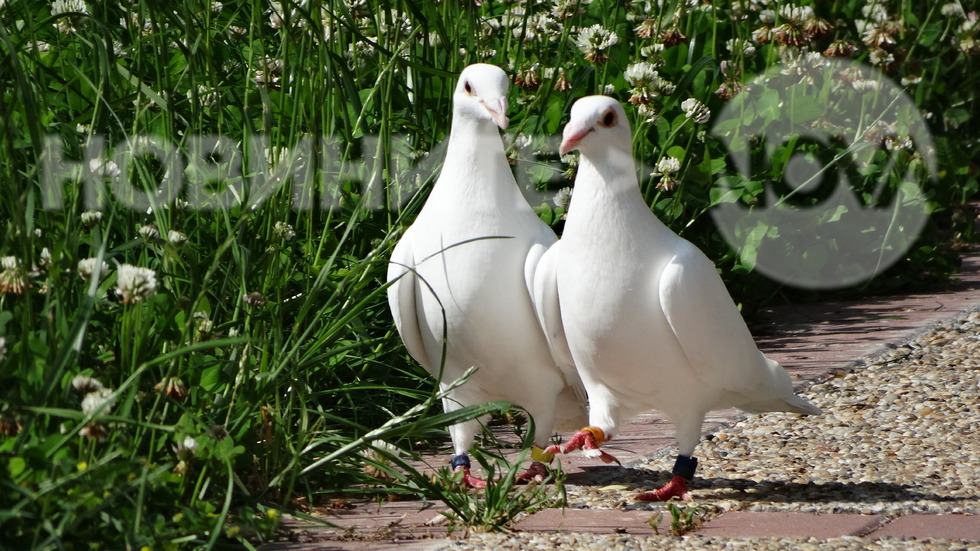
(461,460)
(684,467)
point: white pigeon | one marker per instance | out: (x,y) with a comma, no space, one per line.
(464,269)
(643,313)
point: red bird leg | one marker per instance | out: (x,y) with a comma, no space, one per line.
(536,471)
(588,440)
(461,464)
(677,487)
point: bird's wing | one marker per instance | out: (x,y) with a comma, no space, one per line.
(541,272)
(707,323)
(401,300)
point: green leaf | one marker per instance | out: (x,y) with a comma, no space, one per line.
(211,377)
(677,152)
(837,214)
(750,247)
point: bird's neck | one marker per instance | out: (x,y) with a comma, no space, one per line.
(607,205)
(475,154)
(612,177)
(473,142)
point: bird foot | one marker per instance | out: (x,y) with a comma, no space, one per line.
(676,488)
(602,455)
(469,480)
(588,440)
(535,472)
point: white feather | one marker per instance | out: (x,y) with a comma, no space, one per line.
(470,259)
(646,316)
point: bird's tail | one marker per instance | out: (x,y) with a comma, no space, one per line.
(781,396)
(791,403)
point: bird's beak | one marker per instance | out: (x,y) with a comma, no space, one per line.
(572,135)
(497,107)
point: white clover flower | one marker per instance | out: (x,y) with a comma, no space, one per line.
(519,140)
(795,15)
(641,74)
(667,169)
(595,42)
(135,283)
(877,36)
(90,218)
(646,83)
(61,7)
(105,168)
(563,198)
(911,80)
(186,448)
(176,238)
(653,52)
(669,165)
(276,15)
(284,231)
(893,143)
(45,257)
(865,85)
(875,12)
(3,348)
(149,232)
(881,57)
(970,24)
(89,266)
(565,9)
(13,278)
(207,96)
(609,89)
(95,399)
(204,323)
(695,110)
(740,46)
(647,112)
(953,9)
(85,384)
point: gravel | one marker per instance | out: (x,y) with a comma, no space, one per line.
(527,542)
(899,435)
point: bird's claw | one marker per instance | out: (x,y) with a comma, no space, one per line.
(585,440)
(601,455)
(535,472)
(676,488)
(469,480)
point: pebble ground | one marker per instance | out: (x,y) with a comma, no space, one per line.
(894,462)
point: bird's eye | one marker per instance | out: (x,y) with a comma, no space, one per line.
(467,87)
(608,119)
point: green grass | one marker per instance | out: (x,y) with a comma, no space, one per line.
(265,365)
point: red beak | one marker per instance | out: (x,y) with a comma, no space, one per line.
(571,136)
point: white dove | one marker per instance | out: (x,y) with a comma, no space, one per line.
(468,260)
(643,312)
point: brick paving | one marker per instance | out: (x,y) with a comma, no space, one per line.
(737,524)
(810,340)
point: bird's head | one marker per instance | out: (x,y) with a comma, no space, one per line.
(596,122)
(481,94)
